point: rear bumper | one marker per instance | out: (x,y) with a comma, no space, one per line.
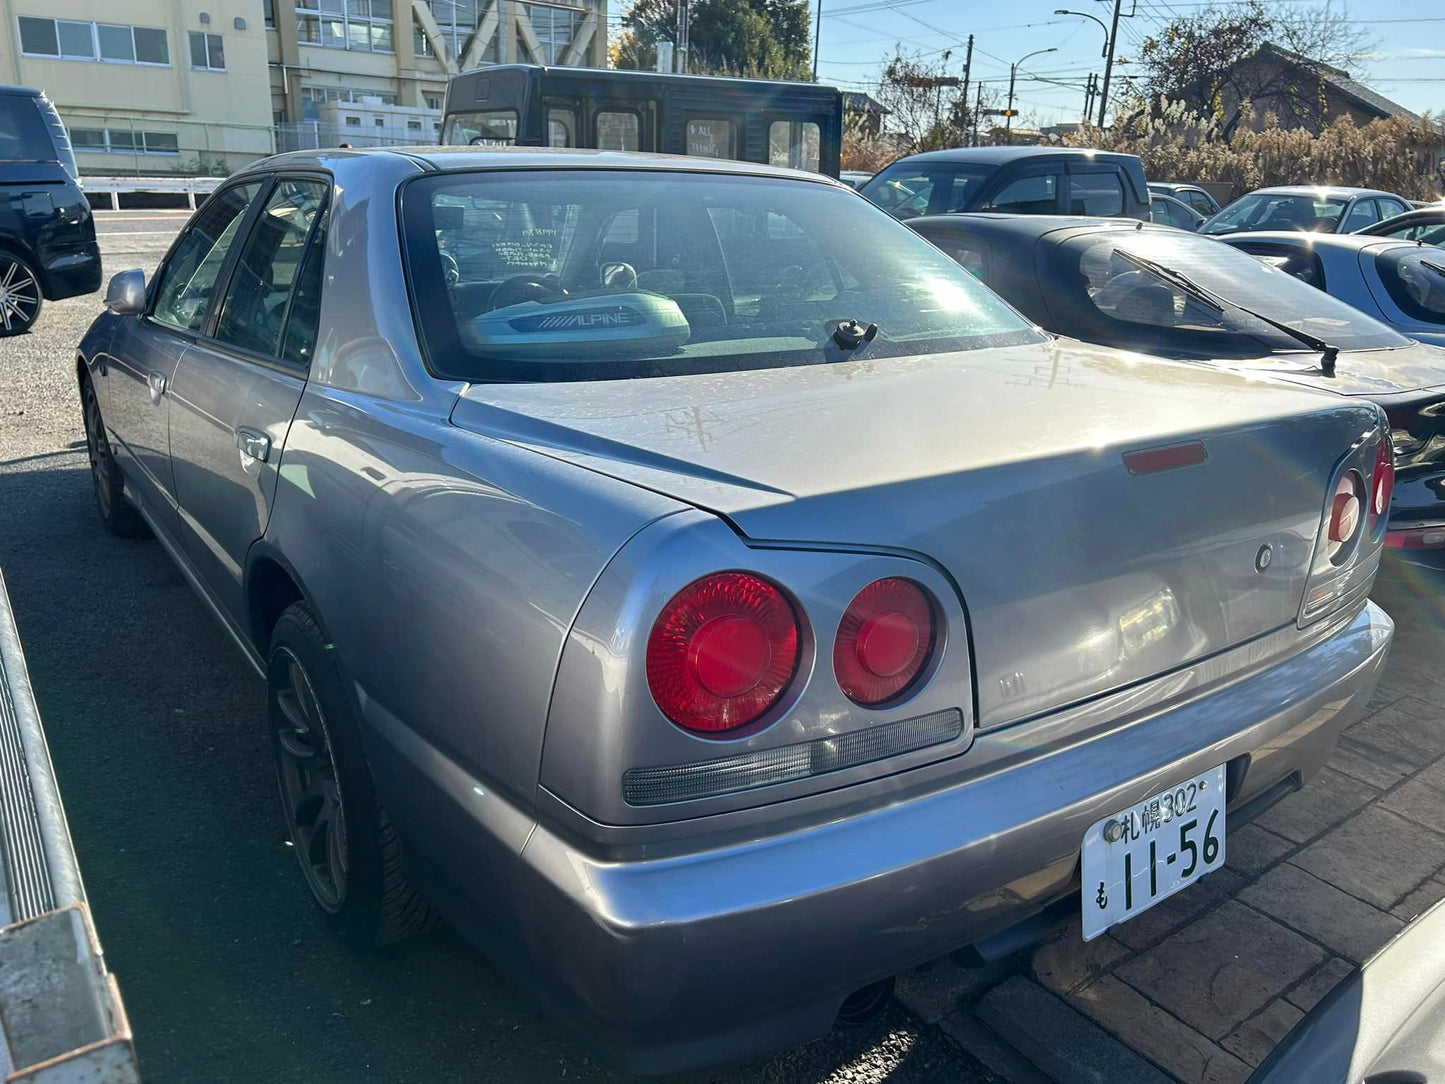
(696,958)
(70,269)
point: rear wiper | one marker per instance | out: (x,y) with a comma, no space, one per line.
(1433,267)
(1209,299)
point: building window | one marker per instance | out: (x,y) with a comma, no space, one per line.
(268,10)
(313,97)
(110,43)
(123,141)
(380,122)
(413,126)
(354,121)
(207,52)
(555,28)
(433,101)
(457,20)
(364,25)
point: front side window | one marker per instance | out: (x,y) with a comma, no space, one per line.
(1415,279)
(1260,211)
(1361,214)
(554,275)
(618,131)
(1200,201)
(1097,193)
(255,309)
(1098,283)
(188,280)
(1036,194)
(907,191)
(797,144)
(486,128)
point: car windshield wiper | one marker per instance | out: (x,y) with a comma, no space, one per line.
(1433,267)
(1209,299)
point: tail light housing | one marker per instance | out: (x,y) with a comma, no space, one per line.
(1383,481)
(885,641)
(722,652)
(1347,515)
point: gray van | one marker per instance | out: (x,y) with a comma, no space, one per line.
(47,236)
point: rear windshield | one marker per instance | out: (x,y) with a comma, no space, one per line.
(1415,278)
(907,191)
(1120,302)
(586,275)
(1279,211)
(23,136)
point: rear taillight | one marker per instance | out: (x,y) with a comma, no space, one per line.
(722,652)
(1384,481)
(1346,516)
(885,640)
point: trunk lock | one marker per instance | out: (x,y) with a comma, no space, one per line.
(1263,558)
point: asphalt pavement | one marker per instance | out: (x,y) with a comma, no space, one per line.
(156,729)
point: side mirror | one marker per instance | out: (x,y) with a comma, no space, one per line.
(126,293)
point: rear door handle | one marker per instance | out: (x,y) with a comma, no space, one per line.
(156,381)
(253,443)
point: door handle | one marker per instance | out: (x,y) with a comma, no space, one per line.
(156,381)
(253,443)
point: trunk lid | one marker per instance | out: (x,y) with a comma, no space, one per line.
(1005,467)
(1372,374)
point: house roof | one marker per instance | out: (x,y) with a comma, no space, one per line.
(1341,82)
(857,102)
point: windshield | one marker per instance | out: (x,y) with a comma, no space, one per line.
(1279,211)
(23,137)
(907,190)
(1129,305)
(578,275)
(1415,278)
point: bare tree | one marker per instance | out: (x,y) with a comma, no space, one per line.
(926,103)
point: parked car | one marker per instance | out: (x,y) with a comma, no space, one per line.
(1168,211)
(1398,282)
(1382,1023)
(1020,180)
(855,178)
(47,238)
(1173,295)
(1425,224)
(1307,209)
(708,594)
(1195,196)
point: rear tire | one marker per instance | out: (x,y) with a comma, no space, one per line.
(20,297)
(350,855)
(116,511)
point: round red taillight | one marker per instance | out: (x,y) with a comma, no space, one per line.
(1384,479)
(1346,515)
(884,641)
(722,652)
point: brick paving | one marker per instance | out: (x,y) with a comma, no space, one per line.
(1201,987)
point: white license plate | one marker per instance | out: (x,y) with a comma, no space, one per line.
(1150,851)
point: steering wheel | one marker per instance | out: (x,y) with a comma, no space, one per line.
(451,270)
(519,288)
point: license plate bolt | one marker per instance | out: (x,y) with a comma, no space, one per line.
(1113,831)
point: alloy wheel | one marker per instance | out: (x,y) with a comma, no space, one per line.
(310,791)
(19,295)
(99,448)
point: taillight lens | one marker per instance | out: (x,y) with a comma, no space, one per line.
(885,639)
(722,652)
(1346,516)
(1384,484)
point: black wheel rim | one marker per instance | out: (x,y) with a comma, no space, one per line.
(310,792)
(19,295)
(99,449)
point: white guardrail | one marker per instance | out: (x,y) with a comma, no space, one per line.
(115,187)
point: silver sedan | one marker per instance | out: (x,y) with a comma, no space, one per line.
(706,594)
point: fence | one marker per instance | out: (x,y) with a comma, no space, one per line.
(311,135)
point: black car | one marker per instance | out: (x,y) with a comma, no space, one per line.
(1192,194)
(47,236)
(1016,180)
(1178,295)
(1426,224)
(1168,211)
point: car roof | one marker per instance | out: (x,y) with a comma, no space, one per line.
(1176,185)
(1313,240)
(997,155)
(19,91)
(436,158)
(1318,189)
(1029,225)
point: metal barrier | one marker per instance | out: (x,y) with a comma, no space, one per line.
(107,191)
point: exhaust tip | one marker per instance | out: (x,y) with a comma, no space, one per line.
(864,1005)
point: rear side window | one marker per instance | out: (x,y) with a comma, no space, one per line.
(1032,195)
(1362,213)
(1099,194)
(908,190)
(1415,279)
(257,298)
(1298,261)
(23,136)
(1200,201)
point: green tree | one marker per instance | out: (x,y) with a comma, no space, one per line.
(765,39)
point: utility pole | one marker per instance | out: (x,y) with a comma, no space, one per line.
(977,109)
(682,20)
(1109,63)
(817,35)
(1090,89)
(1008,114)
(967,67)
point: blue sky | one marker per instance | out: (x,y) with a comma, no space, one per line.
(858,36)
